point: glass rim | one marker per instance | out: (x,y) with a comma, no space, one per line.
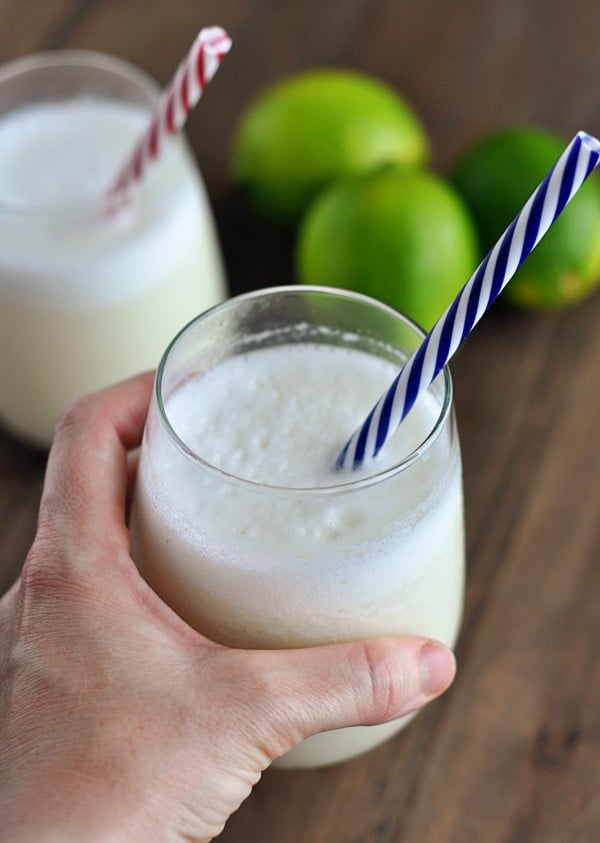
(92,60)
(335,488)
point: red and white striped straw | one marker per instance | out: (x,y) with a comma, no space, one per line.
(177,100)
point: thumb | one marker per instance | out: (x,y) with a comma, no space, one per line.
(357,683)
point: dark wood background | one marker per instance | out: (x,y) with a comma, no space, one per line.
(512,753)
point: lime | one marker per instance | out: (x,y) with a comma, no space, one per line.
(495,178)
(312,128)
(400,235)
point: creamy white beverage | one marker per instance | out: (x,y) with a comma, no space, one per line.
(91,292)
(242,527)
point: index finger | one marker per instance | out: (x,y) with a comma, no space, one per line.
(85,488)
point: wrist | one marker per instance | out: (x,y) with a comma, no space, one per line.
(57,810)
(42,828)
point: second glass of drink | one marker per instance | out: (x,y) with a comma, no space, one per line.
(91,287)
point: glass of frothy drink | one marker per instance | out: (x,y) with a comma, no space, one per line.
(91,288)
(240,522)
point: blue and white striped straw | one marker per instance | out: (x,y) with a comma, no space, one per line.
(560,185)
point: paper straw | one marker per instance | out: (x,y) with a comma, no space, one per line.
(560,185)
(177,100)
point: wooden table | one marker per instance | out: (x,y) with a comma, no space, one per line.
(512,753)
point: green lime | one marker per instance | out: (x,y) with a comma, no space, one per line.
(400,235)
(315,127)
(495,178)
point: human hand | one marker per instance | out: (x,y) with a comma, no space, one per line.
(117,720)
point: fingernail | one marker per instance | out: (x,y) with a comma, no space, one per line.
(438,667)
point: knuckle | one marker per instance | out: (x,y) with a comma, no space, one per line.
(388,682)
(268,702)
(256,681)
(74,415)
(46,545)
(40,574)
(53,567)
(51,587)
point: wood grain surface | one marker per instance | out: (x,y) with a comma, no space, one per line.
(512,753)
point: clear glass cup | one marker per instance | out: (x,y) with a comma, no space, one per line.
(90,291)
(256,565)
